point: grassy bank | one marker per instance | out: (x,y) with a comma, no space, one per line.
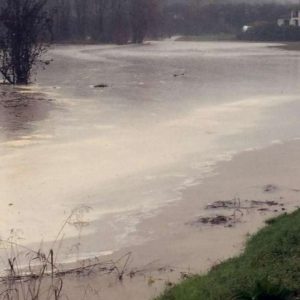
(270,264)
(207,37)
(292,46)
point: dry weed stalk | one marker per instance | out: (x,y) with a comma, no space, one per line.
(41,277)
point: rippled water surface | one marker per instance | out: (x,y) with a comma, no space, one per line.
(170,112)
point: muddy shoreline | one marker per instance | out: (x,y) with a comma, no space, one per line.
(246,191)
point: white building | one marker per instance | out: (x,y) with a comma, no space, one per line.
(293,20)
(246,28)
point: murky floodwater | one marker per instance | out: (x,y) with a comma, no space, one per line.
(170,112)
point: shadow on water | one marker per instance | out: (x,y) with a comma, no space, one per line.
(20,108)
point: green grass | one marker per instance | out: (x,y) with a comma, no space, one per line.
(271,256)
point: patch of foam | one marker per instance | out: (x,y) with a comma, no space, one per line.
(18,143)
(83,256)
(189,182)
(276,142)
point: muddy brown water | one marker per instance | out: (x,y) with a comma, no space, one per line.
(166,114)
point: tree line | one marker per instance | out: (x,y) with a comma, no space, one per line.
(106,21)
(26,26)
(122,21)
(195,17)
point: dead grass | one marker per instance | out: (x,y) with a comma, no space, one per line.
(37,275)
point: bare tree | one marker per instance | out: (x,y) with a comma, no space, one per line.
(61,16)
(139,22)
(25,28)
(120,21)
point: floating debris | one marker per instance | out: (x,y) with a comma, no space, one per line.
(177,75)
(100,86)
(268,203)
(270,188)
(263,209)
(221,204)
(216,220)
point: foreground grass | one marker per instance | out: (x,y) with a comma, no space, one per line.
(272,255)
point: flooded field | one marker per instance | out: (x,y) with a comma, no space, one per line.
(119,154)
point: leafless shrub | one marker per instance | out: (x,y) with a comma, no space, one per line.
(25,26)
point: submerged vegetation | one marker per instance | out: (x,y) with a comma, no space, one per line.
(269,268)
(30,274)
(24,30)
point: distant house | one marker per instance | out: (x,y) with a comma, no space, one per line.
(292,20)
(246,28)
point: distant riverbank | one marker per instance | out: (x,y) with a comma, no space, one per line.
(291,46)
(207,37)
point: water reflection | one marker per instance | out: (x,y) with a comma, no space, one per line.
(20,108)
